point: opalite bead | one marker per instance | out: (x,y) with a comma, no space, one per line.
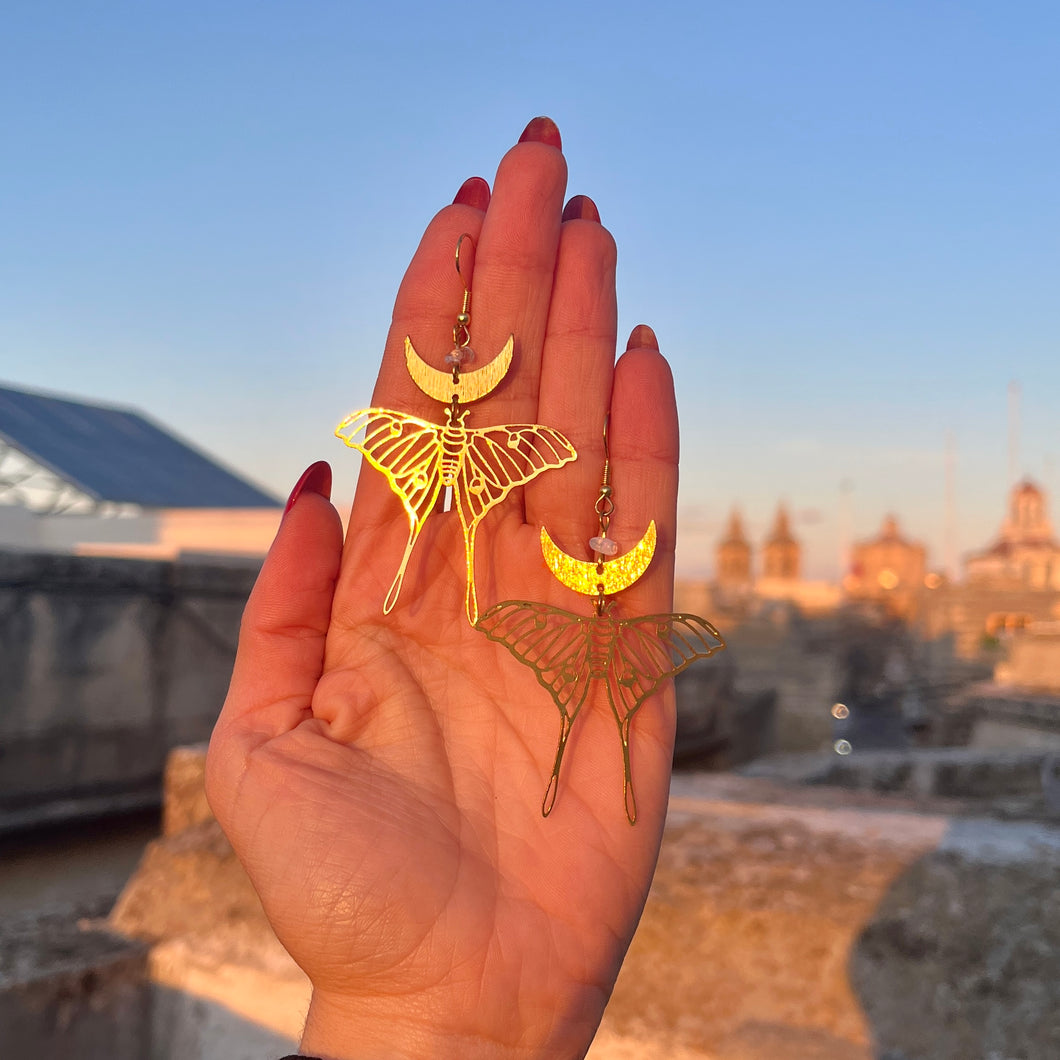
(604,545)
(458,356)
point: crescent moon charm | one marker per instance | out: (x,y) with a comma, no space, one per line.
(586,577)
(468,386)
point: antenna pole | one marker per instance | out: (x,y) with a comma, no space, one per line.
(1013,432)
(950,531)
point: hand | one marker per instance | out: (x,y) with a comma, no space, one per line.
(381,776)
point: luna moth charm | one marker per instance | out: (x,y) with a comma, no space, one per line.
(422,459)
(570,653)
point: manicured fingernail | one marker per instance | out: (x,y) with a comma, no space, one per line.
(544,131)
(473,192)
(316,479)
(642,338)
(581,207)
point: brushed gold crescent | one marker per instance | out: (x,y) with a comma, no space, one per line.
(468,386)
(583,576)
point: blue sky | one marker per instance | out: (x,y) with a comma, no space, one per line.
(841,218)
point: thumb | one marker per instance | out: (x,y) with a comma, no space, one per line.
(281,639)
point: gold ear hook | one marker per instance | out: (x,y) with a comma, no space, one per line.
(604,505)
(461,332)
(463,236)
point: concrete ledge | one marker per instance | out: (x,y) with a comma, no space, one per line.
(71,991)
(953,780)
(835,926)
(191,901)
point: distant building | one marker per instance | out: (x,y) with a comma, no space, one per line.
(1011,586)
(88,478)
(1025,555)
(781,553)
(781,578)
(888,570)
(733,560)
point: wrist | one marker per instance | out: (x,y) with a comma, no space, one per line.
(386,1028)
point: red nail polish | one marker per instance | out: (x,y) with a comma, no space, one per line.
(582,208)
(316,479)
(544,131)
(473,192)
(642,338)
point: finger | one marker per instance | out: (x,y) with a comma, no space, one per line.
(281,639)
(644,446)
(515,263)
(428,299)
(576,375)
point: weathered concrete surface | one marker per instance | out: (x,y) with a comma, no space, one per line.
(962,956)
(67,988)
(719,727)
(107,664)
(185,792)
(192,901)
(185,1026)
(798,923)
(960,780)
(754,912)
(70,991)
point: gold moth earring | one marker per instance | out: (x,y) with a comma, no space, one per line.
(422,459)
(570,653)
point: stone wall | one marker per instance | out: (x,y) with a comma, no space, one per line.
(106,664)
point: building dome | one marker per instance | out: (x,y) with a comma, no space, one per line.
(1027,521)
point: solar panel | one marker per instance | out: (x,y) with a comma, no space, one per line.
(118,455)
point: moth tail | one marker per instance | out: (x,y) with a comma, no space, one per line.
(627,774)
(553,782)
(470,595)
(395,587)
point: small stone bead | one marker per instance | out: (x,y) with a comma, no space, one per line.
(459,355)
(604,545)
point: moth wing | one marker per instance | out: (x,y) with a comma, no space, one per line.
(405,449)
(554,644)
(498,459)
(645,652)
(494,461)
(650,649)
(408,452)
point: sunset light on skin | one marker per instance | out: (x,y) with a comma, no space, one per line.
(840,219)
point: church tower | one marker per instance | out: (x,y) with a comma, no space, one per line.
(733,557)
(781,554)
(1027,522)
(1025,555)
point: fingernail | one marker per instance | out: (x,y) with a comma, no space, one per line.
(544,131)
(581,207)
(642,338)
(316,479)
(473,192)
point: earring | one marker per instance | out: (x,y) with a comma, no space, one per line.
(570,653)
(421,459)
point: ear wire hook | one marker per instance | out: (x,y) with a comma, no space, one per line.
(604,505)
(461,332)
(456,255)
(461,353)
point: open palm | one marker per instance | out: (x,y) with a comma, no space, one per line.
(381,776)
